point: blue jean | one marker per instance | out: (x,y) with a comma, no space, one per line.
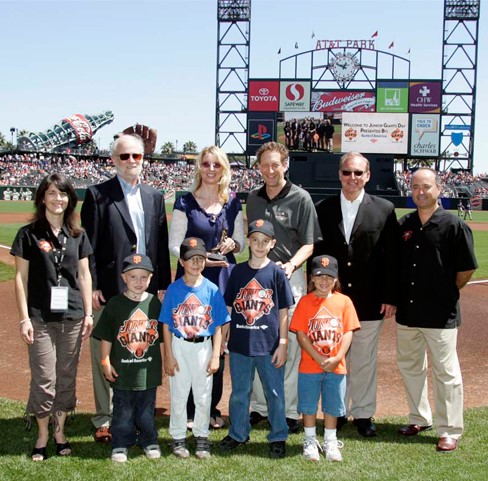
(242,371)
(133,411)
(332,388)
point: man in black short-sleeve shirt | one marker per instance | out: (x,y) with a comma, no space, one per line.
(437,260)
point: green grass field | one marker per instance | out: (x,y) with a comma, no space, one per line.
(387,457)
(8,231)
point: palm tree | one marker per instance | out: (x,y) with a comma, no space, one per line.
(167,148)
(190,147)
(3,140)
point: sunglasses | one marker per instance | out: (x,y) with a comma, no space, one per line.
(207,165)
(357,173)
(128,156)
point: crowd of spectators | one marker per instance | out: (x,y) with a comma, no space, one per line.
(20,170)
(451,182)
(27,169)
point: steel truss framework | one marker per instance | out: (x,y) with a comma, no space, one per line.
(234,17)
(460,53)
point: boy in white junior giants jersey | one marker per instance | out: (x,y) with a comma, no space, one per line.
(193,312)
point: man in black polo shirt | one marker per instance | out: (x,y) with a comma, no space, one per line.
(437,260)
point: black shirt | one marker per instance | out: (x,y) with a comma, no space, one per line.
(431,255)
(37,244)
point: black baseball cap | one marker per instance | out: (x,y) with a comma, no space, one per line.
(137,261)
(325,265)
(261,225)
(192,246)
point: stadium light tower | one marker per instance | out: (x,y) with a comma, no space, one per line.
(459,59)
(233,44)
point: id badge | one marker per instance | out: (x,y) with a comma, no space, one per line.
(59,299)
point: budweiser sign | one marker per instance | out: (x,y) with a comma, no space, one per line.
(335,101)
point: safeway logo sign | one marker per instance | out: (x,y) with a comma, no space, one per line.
(263,95)
(295,96)
(294,92)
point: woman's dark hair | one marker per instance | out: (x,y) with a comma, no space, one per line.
(62,183)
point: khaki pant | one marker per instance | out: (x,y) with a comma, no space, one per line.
(53,358)
(362,372)
(101,387)
(413,344)
(258,399)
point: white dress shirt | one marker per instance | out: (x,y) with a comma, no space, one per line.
(349,212)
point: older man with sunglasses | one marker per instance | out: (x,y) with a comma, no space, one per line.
(122,216)
(361,231)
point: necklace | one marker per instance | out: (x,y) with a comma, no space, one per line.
(131,296)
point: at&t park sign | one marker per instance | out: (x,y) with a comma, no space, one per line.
(325,44)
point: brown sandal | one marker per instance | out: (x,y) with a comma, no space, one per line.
(216,422)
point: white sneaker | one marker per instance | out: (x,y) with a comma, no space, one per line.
(203,448)
(152,452)
(311,449)
(331,448)
(179,448)
(119,455)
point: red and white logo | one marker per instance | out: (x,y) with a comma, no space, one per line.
(325,332)
(45,246)
(191,317)
(294,92)
(295,96)
(263,95)
(138,333)
(253,302)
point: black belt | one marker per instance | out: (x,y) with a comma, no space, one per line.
(195,339)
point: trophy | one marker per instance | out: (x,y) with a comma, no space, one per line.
(215,255)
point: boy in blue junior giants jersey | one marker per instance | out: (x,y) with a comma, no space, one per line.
(193,311)
(258,296)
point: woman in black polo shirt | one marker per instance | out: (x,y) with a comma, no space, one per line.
(53,290)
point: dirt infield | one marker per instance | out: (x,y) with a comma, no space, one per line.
(472,342)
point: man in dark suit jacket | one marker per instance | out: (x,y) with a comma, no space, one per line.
(122,216)
(361,231)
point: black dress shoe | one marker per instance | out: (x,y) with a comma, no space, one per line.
(341,422)
(255,418)
(293,425)
(413,429)
(228,444)
(365,427)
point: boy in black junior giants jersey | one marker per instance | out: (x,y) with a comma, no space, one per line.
(258,296)
(131,359)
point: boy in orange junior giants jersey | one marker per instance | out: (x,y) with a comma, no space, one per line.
(323,321)
(258,296)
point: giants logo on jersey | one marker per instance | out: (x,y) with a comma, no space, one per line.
(325,332)
(191,317)
(138,333)
(253,302)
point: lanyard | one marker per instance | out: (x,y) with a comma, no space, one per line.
(58,258)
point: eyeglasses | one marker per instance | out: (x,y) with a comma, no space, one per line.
(207,165)
(357,173)
(128,156)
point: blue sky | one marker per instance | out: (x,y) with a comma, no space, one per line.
(154,62)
